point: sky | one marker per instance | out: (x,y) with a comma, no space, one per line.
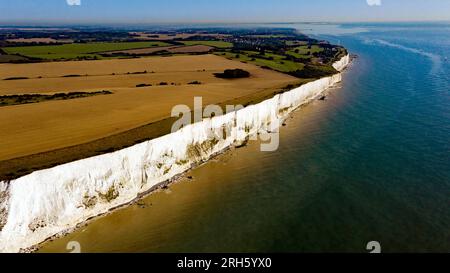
(218,11)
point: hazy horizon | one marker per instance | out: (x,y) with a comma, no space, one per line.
(188,24)
(139,12)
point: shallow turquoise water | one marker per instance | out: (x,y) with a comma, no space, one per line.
(370,163)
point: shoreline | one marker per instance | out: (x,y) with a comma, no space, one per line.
(164,180)
(157,188)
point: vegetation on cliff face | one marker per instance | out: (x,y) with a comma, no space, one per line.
(196,151)
(3,208)
(110,195)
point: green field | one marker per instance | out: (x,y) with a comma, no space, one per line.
(73,51)
(293,43)
(10,58)
(301,52)
(218,44)
(277,63)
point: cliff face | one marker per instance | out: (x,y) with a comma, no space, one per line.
(47,202)
(342,63)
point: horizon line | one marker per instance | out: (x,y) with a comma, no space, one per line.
(62,24)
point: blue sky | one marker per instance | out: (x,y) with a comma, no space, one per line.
(164,11)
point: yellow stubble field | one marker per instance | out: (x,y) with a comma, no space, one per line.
(40,127)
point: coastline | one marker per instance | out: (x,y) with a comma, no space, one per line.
(116,190)
(58,143)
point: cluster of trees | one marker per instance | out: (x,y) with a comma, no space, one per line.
(84,36)
(33,98)
(233,74)
(330,53)
(194,82)
(313,71)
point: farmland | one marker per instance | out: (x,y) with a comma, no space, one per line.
(8,100)
(11,58)
(53,110)
(282,50)
(162,49)
(73,51)
(272,61)
(218,44)
(304,51)
(62,123)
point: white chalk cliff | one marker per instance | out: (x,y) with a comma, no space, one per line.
(342,63)
(47,202)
